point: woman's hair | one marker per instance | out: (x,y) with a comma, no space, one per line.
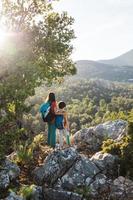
(51,97)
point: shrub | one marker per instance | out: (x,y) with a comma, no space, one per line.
(84,190)
(26,191)
(124,149)
(24,154)
(112,147)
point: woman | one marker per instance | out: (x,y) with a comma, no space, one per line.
(51,123)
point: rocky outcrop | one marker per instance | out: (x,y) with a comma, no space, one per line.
(92,138)
(64,171)
(69,175)
(81,174)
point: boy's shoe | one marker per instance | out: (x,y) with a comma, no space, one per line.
(57,146)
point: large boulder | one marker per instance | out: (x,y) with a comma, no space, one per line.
(81,174)
(55,165)
(105,161)
(92,138)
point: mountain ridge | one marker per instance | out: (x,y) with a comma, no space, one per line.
(121,60)
(107,69)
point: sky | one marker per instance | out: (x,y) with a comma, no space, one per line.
(103,28)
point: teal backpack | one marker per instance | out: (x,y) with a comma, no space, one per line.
(45,111)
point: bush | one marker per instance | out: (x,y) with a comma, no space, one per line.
(112,147)
(26,191)
(9,138)
(124,149)
(24,154)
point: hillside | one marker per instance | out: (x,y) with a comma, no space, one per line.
(91,69)
(108,69)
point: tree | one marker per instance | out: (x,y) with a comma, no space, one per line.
(38,48)
(39,41)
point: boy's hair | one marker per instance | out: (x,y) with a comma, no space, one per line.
(62,104)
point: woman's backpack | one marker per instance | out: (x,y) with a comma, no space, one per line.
(45,110)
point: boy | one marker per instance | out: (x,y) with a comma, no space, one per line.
(61,123)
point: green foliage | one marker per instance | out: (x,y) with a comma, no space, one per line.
(26,191)
(38,139)
(24,154)
(91,102)
(124,149)
(110,146)
(84,190)
(9,138)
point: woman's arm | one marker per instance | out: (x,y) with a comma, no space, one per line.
(59,112)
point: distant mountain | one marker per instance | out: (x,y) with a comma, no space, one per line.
(91,69)
(122,60)
(107,69)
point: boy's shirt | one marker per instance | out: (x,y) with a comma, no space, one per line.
(64,121)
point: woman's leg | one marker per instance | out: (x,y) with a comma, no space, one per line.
(49,133)
(52,135)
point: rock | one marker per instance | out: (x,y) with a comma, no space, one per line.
(37,193)
(10,171)
(4,180)
(81,174)
(100,185)
(93,137)
(104,161)
(55,166)
(122,189)
(86,139)
(111,129)
(13,196)
(51,194)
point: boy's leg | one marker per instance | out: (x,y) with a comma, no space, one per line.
(67,137)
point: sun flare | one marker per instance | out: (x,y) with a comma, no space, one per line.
(3,37)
